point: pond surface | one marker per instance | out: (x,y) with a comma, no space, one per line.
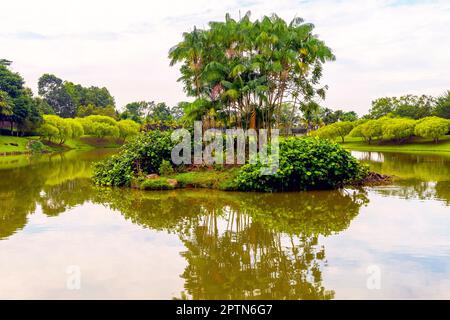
(61,237)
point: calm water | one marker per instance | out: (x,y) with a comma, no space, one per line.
(204,244)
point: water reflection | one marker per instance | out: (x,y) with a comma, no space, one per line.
(418,176)
(242,246)
(235,245)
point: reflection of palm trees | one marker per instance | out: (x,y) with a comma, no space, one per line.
(242,245)
(248,261)
(238,245)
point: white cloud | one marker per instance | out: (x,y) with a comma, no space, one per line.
(382,47)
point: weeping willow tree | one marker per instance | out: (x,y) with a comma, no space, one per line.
(246,71)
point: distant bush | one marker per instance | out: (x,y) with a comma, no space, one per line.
(166,168)
(305,163)
(35,146)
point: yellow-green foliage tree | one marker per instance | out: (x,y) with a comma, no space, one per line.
(370,130)
(432,127)
(334,130)
(128,128)
(48,131)
(100,126)
(77,127)
(55,129)
(398,129)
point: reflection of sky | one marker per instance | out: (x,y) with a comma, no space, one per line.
(407,240)
(117,258)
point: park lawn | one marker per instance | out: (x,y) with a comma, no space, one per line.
(6,144)
(222,179)
(17,145)
(415,145)
(10,145)
(90,142)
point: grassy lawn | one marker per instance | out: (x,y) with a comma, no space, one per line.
(16,145)
(415,145)
(200,178)
(88,143)
(13,144)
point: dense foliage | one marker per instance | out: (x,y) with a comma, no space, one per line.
(68,100)
(411,106)
(242,72)
(432,127)
(18,108)
(335,130)
(305,163)
(57,129)
(393,129)
(142,155)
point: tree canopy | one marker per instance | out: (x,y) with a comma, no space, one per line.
(18,107)
(68,100)
(245,70)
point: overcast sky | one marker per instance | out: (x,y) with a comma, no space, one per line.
(382,47)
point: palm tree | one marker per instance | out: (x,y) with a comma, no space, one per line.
(310,111)
(246,68)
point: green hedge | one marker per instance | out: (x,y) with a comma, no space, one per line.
(142,155)
(305,163)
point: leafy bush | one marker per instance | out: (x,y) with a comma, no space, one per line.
(166,168)
(305,163)
(432,127)
(142,155)
(35,146)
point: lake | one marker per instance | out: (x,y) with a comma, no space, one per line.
(63,238)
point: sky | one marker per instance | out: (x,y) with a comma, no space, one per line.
(382,48)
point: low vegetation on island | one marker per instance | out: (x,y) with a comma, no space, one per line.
(304,164)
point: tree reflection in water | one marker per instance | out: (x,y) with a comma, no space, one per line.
(238,245)
(244,246)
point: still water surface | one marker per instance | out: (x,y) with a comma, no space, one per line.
(378,242)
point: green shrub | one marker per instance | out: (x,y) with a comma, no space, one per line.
(305,163)
(142,155)
(35,146)
(166,168)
